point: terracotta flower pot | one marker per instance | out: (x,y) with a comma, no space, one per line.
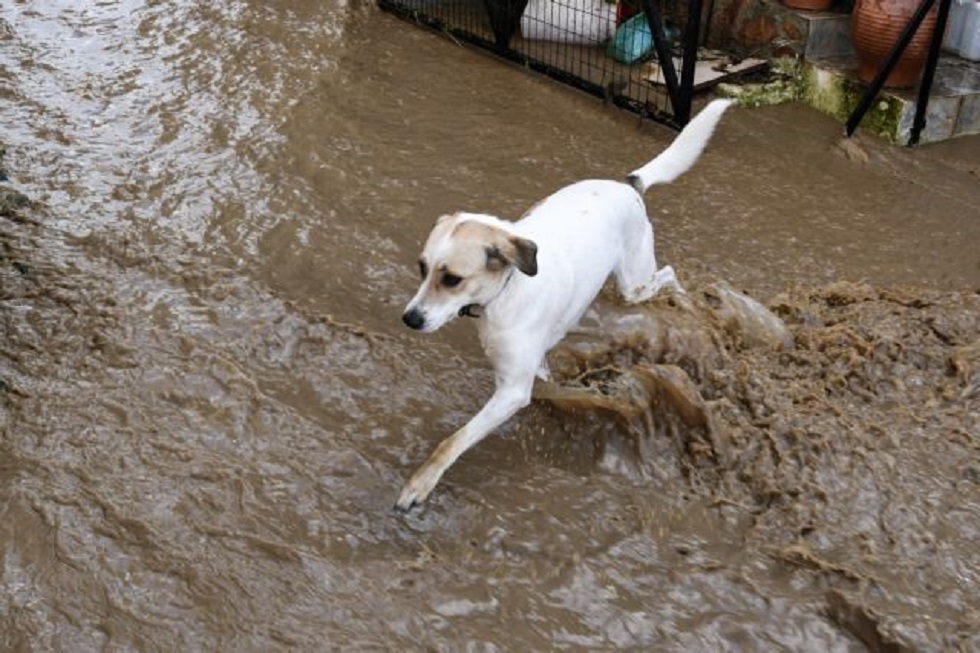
(809,5)
(876,26)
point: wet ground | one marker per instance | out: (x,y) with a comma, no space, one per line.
(209,403)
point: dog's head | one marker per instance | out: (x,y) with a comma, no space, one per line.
(465,263)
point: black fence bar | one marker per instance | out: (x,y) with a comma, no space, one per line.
(692,37)
(664,56)
(896,52)
(505,18)
(929,74)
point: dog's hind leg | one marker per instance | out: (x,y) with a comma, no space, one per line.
(637,276)
(513,393)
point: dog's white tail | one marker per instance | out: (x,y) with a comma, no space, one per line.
(683,152)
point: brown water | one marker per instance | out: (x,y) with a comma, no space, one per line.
(209,403)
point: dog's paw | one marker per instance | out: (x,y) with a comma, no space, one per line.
(418,489)
(665,278)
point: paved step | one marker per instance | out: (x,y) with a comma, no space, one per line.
(830,85)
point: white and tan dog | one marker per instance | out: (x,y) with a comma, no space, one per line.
(531,281)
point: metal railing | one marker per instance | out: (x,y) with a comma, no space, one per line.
(584,43)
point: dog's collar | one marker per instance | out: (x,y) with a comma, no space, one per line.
(477,310)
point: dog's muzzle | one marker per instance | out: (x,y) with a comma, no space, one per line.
(414,318)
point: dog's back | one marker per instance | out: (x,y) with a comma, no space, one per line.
(576,220)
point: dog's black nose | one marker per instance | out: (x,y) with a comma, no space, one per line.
(413,318)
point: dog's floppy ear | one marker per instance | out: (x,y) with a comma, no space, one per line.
(516,251)
(526,255)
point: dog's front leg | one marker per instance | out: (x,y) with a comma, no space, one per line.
(513,393)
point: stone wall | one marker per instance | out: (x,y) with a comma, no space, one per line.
(759,28)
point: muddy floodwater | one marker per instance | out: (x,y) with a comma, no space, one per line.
(210,219)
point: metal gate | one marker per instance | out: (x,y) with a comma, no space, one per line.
(636,54)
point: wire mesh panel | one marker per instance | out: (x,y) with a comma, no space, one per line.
(606,47)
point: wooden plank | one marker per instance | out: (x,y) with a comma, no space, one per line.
(710,69)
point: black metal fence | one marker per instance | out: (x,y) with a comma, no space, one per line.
(637,54)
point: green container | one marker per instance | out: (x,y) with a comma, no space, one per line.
(632,41)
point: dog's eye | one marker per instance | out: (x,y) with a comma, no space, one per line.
(451,280)
(423,269)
